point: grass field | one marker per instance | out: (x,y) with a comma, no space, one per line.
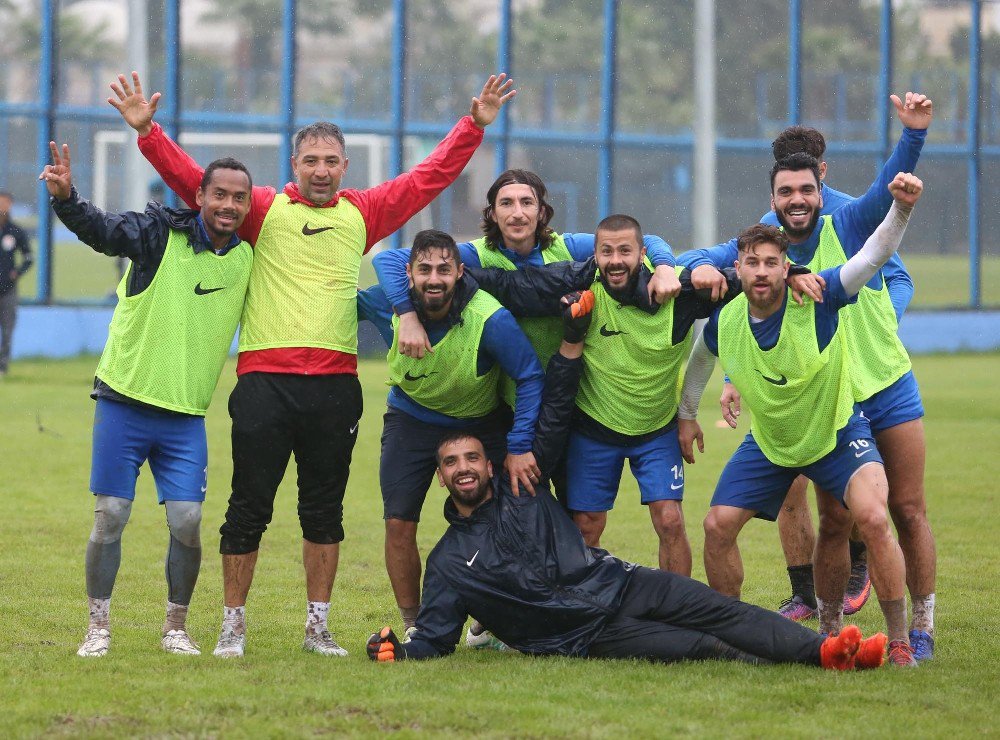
(277,690)
(940,280)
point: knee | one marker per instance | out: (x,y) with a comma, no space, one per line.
(872,523)
(400,533)
(835,523)
(669,522)
(110,517)
(184,521)
(590,524)
(718,532)
(909,514)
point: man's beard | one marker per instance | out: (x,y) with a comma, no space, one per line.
(623,294)
(472,499)
(773,294)
(424,306)
(795,234)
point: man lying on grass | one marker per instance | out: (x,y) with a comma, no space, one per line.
(520,566)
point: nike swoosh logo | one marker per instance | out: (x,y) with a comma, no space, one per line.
(779,381)
(310,232)
(355,427)
(412,377)
(606,332)
(677,487)
(198,290)
(470,562)
(860,454)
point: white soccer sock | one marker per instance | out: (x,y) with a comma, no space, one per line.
(176,617)
(234,617)
(100,612)
(831,616)
(316,614)
(923,614)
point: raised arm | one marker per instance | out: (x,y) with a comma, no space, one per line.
(905,190)
(857,220)
(138,236)
(178,170)
(388,206)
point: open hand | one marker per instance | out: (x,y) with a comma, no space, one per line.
(496,92)
(915,112)
(132,104)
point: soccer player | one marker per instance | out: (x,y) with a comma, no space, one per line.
(520,566)
(298,390)
(795,527)
(13,239)
(179,304)
(455,387)
(626,406)
(883,380)
(792,367)
(517,234)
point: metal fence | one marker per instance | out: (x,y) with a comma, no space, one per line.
(572,125)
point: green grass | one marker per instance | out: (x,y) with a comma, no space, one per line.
(940,280)
(279,691)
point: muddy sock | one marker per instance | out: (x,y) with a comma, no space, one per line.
(831,616)
(895,618)
(923,614)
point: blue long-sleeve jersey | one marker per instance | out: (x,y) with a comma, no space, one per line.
(390,266)
(502,343)
(854,220)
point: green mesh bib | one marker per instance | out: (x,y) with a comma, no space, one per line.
(798,396)
(632,370)
(545,334)
(167,345)
(871,339)
(445,380)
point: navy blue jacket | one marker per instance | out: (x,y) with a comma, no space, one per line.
(518,564)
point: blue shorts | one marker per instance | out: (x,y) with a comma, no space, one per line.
(895,405)
(751,481)
(125,436)
(594,471)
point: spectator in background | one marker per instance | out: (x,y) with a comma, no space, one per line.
(13,239)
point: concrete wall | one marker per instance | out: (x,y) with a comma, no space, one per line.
(64,331)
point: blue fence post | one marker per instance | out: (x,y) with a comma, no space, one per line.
(398,97)
(288,68)
(173,79)
(605,180)
(975,74)
(885,80)
(47,71)
(504,64)
(794,62)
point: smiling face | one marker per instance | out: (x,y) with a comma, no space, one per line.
(466,472)
(619,255)
(517,212)
(224,203)
(433,274)
(796,201)
(319,166)
(762,270)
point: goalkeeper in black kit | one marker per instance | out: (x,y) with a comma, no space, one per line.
(520,566)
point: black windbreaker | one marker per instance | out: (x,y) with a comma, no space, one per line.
(518,564)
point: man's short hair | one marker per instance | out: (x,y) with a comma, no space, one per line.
(429,239)
(799,139)
(226,163)
(318,130)
(6,194)
(456,436)
(620,222)
(795,163)
(753,236)
(543,234)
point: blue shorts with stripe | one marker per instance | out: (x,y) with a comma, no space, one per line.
(895,405)
(594,471)
(751,481)
(126,436)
